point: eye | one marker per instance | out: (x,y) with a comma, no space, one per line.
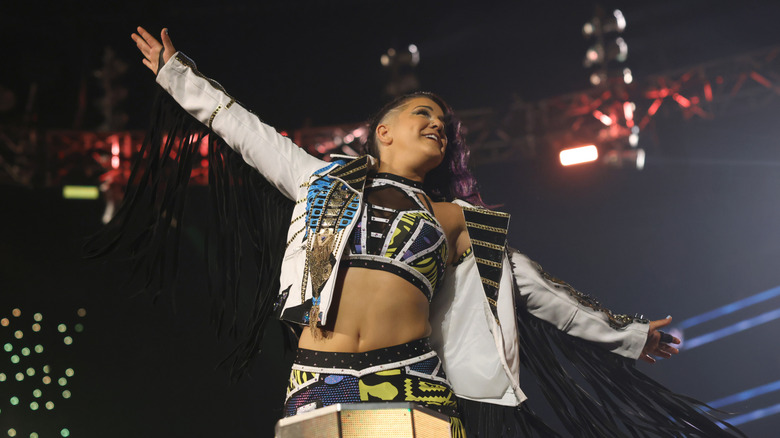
(423,111)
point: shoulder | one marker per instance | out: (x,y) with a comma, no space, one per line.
(449,213)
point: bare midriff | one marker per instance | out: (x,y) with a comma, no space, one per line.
(372,309)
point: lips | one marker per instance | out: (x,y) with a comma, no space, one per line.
(433,137)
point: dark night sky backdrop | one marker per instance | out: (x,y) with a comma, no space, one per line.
(695,230)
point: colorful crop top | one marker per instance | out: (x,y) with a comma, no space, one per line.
(397,233)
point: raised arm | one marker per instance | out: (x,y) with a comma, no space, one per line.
(579,315)
(276,157)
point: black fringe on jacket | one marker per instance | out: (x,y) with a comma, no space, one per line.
(624,402)
(249,219)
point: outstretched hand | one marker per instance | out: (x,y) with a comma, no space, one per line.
(155,54)
(655,346)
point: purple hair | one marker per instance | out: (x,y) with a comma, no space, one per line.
(449,180)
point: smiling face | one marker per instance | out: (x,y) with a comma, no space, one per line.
(411,138)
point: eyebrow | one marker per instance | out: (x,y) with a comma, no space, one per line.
(430,108)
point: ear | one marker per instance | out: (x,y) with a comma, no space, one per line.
(383,134)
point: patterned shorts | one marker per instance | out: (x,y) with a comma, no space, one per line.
(409,372)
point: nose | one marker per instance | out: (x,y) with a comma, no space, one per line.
(437,124)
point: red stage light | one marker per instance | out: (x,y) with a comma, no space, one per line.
(708,92)
(760,79)
(654,107)
(682,100)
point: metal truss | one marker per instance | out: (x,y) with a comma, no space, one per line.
(606,116)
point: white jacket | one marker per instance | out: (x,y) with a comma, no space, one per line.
(473,314)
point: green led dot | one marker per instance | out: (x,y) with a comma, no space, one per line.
(15,358)
(11,432)
(30,372)
(37,393)
(8,347)
(79,328)
(2,377)
(20,376)
(34,406)
(68,340)
(46,369)
(65,433)
(61,328)
(25,351)
(39,348)
(69,372)
(38,317)
(63,381)
(66,394)
(33,435)
(49,405)
(18,334)
(14,400)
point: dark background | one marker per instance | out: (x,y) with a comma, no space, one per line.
(695,230)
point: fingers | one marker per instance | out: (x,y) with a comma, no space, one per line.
(141,44)
(146,36)
(655,325)
(166,40)
(647,358)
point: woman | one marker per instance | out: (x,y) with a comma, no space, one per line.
(367,251)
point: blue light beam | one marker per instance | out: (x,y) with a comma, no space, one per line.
(730,330)
(745,395)
(754,415)
(729,308)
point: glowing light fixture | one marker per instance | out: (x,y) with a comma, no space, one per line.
(80,192)
(603,118)
(579,155)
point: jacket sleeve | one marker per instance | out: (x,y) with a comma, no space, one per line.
(276,157)
(573,312)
